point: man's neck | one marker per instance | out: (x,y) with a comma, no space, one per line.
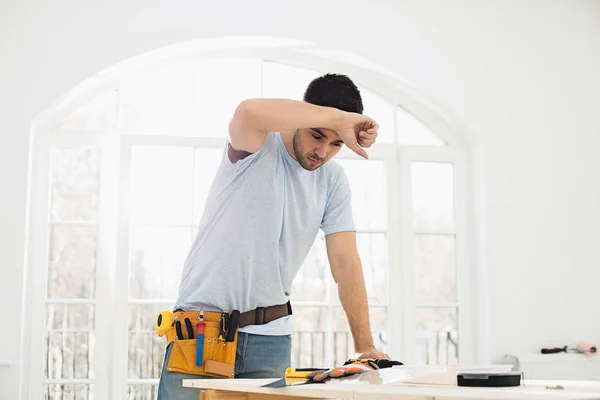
(288,140)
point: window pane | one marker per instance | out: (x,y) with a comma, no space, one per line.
(141,392)
(56,391)
(96,114)
(146,348)
(286,81)
(220,85)
(158,102)
(75,184)
(437,335)
(161,184)
(382,111)
(411,131)
(157,256)
(206,163)
(72,263)
(343,341)
(372,249)
(308,337)
(433,196)
(69,341)
(311,282)
(436,269)
(314,275)
(369,197)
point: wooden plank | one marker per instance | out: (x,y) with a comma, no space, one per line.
(255,386)
(222,395)
(531,390)
(229,395)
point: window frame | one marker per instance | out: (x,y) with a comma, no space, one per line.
(112,277)
(38,257)
(408,155)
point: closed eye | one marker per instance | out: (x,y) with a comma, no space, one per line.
(320,136)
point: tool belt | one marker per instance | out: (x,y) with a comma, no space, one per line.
(205,342)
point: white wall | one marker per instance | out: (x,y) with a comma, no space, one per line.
(523,75)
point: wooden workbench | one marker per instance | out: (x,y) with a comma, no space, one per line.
(250,389)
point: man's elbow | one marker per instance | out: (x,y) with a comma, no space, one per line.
(243,131)
(245,111)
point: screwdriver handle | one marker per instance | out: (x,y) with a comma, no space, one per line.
(200,343)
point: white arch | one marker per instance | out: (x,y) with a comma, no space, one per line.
(364,72)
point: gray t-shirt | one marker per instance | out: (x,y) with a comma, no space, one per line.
(261,218)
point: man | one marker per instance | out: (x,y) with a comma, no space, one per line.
(274,190)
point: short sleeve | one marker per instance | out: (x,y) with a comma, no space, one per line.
(338,210)
(250,157)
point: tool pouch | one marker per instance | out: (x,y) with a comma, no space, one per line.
(218,355)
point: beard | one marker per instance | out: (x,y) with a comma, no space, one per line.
(301,156)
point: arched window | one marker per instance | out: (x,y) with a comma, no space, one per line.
(121,171)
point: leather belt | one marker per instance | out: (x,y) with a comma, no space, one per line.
(264,315)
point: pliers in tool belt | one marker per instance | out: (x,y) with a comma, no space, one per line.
(228,324)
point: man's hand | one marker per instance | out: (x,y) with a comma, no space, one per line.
(372,352)
(358,132)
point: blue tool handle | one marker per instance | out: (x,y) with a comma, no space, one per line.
(199,349)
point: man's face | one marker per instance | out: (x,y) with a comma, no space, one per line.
(314,147)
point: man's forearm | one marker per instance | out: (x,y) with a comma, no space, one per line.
(280,115)
(353,296)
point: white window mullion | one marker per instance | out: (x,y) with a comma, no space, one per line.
(69,381)
(433,233)
(105,266)
(120,314)
(38,270)
(71,301)
(407,256)
(394,299)
(466,348)
(436,305)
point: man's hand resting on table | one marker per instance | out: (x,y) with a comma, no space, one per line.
(372,352)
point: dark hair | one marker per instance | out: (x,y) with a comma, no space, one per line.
(334,90)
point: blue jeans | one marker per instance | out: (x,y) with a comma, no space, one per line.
(257,356)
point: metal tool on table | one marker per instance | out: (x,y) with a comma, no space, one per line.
(320,375)
(294,376)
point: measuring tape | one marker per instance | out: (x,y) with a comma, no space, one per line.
(164,322)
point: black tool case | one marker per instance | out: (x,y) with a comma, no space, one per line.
(489,379)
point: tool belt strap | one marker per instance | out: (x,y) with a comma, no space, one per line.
(258,316)
(264,315)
